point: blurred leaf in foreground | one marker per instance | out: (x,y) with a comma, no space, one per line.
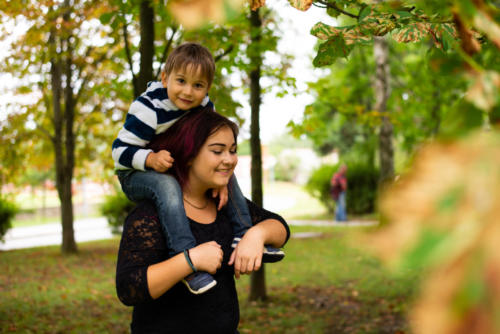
(194,13)
(445,218)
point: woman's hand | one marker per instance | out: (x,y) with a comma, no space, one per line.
(247,256)
(207,257)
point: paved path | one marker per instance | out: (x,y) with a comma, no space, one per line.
(97,229)
(51,234)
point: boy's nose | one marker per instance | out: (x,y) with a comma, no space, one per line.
(188,90)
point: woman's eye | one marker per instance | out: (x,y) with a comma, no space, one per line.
(217,152)
(233,151)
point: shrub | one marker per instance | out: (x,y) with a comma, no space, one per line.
(286,168)
(116,208)
(362,180)
(362,183)
(7,212)
(318,185)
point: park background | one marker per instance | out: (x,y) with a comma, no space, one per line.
(404,92)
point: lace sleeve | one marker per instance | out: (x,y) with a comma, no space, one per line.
(142,244)
(259,214)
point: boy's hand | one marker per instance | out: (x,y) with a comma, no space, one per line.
(247,256)
(223,196)
(160,161)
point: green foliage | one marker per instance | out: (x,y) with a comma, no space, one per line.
(341,117)
(7,212)
(331,50)
(116,208)
(362,187)
(286,168)
(318,185)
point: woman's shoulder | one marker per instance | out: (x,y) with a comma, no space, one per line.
(142,225)
(143,209)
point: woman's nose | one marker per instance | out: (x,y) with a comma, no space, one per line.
(230,159)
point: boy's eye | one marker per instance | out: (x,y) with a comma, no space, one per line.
(180,80)
(199,85)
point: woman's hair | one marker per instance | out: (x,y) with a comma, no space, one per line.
(185,138)
(191,53)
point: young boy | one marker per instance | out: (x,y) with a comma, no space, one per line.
(185,80)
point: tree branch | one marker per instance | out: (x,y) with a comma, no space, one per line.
(226,51)
(334,7)
(127,52)
(166,50)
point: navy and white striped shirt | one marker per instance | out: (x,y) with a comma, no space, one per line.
(150,114)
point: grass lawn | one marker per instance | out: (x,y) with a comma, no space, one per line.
(324,285)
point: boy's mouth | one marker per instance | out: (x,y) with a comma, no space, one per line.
(185,101)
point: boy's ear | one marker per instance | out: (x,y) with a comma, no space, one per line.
(164,78)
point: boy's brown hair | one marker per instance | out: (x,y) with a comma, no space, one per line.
(191,53)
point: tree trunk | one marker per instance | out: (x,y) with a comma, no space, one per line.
(146,47)
(64,172)
(63,138)
(386,150)
(258,278)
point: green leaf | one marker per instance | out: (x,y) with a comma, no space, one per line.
(366,11)
(404,14)
(450,200)
(106,17)
(422,254)
(331,50)
(332,12)
(461,120)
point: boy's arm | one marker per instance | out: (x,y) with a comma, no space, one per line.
(129,147)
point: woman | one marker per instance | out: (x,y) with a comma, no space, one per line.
(203,145)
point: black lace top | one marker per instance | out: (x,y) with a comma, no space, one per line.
(178,311)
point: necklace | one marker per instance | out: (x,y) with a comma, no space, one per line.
(194,206)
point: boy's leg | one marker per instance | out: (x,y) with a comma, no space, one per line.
(237,209)
(165,191)
(240,216)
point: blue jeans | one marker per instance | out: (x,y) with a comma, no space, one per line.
(166,193)
(340,209)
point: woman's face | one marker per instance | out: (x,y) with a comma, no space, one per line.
(215,163)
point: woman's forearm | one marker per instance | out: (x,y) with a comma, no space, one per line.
(273,232)
(164,275)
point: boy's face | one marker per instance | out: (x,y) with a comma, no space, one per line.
(186,88)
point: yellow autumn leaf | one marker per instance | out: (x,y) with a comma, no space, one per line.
(453,190)
(256,4)
(485,23)
(193,13)
(485,92)
(301,4)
